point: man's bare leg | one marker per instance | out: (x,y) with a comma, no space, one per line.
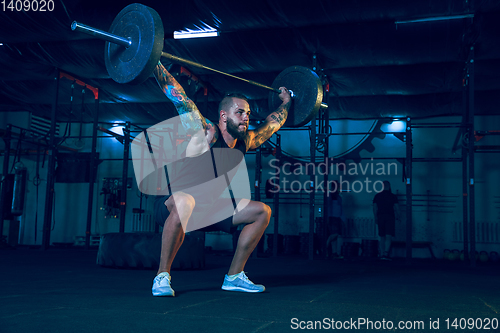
(180,207)
(388,242)
(382,245)
(256,216)
(331,244)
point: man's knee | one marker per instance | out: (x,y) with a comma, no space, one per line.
(180,202)
(266,211)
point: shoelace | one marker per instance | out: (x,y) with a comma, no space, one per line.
(245,277)
(163,277)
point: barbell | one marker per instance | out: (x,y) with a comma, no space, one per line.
(134,46)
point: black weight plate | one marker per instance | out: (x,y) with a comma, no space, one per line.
(308,90)
(135,63)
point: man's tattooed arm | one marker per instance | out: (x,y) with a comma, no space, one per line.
(191,118)
(280,115)
(211,128)
(273,123)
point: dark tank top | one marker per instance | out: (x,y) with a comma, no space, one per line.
(217,161)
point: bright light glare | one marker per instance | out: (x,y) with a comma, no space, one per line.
(206,31)
(117,129)
(395,126)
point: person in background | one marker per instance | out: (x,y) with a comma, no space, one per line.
(334,221)
(386,212)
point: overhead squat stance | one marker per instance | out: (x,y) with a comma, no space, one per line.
(174,211)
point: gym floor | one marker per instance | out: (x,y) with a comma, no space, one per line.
(63,290)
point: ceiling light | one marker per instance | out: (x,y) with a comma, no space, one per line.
(394,126)
(201,32)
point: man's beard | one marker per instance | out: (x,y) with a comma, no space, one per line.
(233,129)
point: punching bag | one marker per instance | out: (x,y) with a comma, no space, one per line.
(19,191)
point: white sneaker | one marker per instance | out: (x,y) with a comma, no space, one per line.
(242,283)
(161,285)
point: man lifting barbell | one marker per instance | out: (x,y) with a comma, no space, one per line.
(174,211)
(133,48)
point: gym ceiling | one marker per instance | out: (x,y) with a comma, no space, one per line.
(374,62)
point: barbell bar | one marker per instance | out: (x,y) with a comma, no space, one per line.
(132,59)
(196,64)
(127,42)
(123,41)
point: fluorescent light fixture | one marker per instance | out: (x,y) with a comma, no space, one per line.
(206,31)
(394,126)
(437,18)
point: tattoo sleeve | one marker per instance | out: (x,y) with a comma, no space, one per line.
(264,135)
(209,127)
(280,114)
(261,135)
(248,141)
(191,118)
(273,123)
